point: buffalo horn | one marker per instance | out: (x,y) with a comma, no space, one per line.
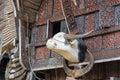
(71,36)
(79,72)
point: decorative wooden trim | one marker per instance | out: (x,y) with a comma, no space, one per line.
(103,56)
(45,64)
(95,33)
(38,44)
(79,12)
(104,31)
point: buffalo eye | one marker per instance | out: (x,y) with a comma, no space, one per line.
(59,35)
(55,44)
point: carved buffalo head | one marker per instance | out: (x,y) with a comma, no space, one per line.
(68,46)
(71,49)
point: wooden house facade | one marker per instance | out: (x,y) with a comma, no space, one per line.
(100,15)
(41,19)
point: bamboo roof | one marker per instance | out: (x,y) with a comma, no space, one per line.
(31,7)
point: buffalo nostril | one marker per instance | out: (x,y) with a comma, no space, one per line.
(55,44)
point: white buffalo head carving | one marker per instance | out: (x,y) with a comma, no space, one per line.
(71,48)
(67,49)
(68,45)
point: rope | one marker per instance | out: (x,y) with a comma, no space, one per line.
(65,17)
(28,51)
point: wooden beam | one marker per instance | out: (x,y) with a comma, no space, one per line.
(27,4)
(79,12)
(104,31)
(23,17)
(32,2)
(31,10)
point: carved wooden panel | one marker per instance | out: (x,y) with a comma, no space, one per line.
(39,35)
(107,16)
(80,20)
(24,54)
(50,8)
(42,52)
(117,15)
(69,16)
(97,24)
(42,11)
(89,3)
(42,33)
(73,6)
(108,41)
(117,40)
(81,4)
(64,27)
(89,22)
(57,7)
(34,35)
(49,30)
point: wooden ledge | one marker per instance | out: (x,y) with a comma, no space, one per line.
(103,31)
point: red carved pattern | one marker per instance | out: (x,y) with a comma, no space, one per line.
(105,42)
(42,11)
(69,15)
(106,54)
(42,33)
(89,22)
(89,3)
(74,8)
(24,56)
(59,16)
(117,39)
(49,6)
(108,41)
(42,53)
(97,43)
(89,42)
(107,16)
(57,7)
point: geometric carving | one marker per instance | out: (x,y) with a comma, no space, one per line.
(117,15)
(107,16)
(69,15)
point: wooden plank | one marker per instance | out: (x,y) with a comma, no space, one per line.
(80,12)
(103,31)
(27,4)
(39,65)
(32,2)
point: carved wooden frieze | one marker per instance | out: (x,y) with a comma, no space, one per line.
(81,23)
(97,26)
(89,3)
(42,53)
(81,4)
(25,58)
(34,35)
(63,27)
(42,10)
(117,15)
(107,16)
(69,15)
